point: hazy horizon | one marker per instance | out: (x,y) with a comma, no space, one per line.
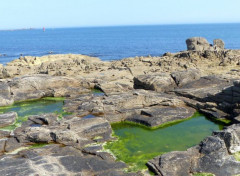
(66,27)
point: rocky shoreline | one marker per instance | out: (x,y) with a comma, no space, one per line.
(150,91)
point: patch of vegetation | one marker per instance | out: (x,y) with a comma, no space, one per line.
(137,144)
(33,107)
(237,156)
(54,98)
(203,174)
(97,92)
(38,145)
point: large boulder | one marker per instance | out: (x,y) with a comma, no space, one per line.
(183,77)
(38,86)
(197,44)
(158,82)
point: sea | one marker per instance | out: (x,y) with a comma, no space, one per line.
(112,43)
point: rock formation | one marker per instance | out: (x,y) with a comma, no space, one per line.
(150,91)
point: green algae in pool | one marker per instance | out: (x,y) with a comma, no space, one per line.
(34,107)
(136,145)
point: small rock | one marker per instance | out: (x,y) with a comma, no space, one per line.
(7,118)
(12,144)
(218,43)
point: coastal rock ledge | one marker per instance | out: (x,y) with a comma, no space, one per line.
(149,91)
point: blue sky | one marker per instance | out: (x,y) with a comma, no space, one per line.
(81,13)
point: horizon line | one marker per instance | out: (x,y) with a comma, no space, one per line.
(120,25)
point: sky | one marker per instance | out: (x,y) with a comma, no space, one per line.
(16,14)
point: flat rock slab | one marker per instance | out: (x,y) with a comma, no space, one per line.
(58,160)
(76,132)
(117,107)
(160,115)
(7,118)
(207,88)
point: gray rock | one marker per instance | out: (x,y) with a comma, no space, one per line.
(5,94)
(159,115)
(197,44)
(12,144)
(117,107)
(183,77)
(206,89)
(38,86)
(215,158)
(218,43)
(2,145)
(47,119)
(157,82)
(4,134)
(173,163)
(210,156)
(58,160)
(7,118)
(75,132)
(231,137)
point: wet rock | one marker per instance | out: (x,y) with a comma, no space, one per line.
(7,118)
(160,115)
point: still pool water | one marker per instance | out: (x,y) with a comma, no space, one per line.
(36,107)
(136,145)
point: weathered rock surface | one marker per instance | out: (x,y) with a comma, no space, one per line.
(140,106)
(5,94)
(218,43)
(210,156)
(58,160)
(157,82)
(159,115)
(39,86)
(183,77)
(197,44)
(78,153)
(164,82)
(7,118)
(206,77)
(76,132)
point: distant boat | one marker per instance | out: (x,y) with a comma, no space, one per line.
(43,29)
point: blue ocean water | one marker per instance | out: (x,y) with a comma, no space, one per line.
(111,43)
